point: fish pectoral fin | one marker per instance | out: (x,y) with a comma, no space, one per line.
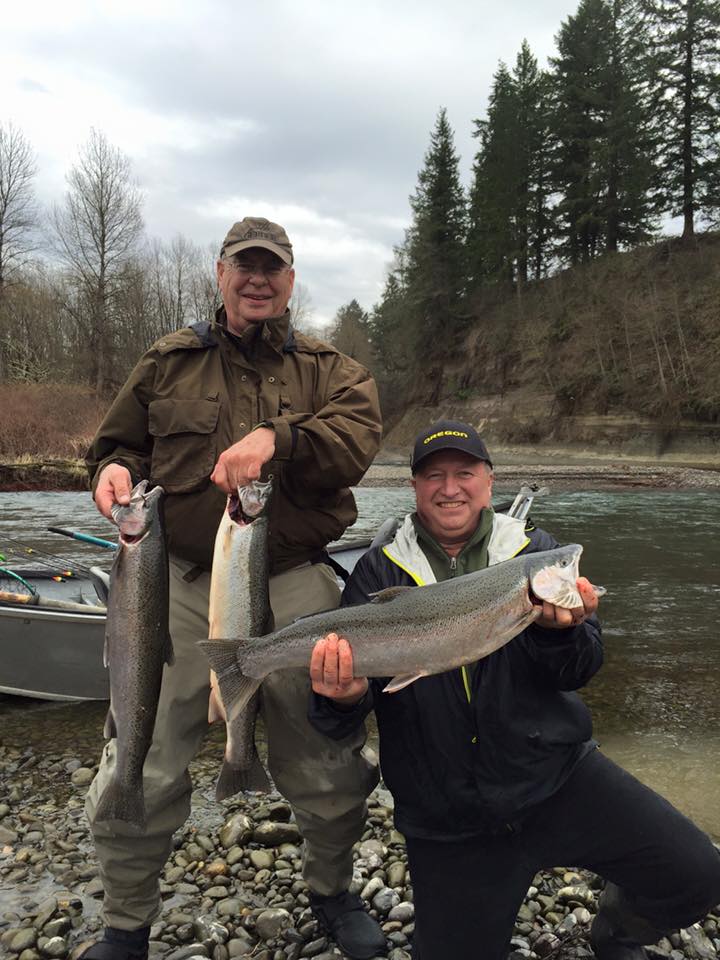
(599,591)
(110,730)
(404,679)
(389,593)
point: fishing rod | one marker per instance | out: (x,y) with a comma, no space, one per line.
(48,559)
(84,538)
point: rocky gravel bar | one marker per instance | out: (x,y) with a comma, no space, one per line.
(232,887)
(616,475)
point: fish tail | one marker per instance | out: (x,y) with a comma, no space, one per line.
(124,804)
(236,690)
(232,780)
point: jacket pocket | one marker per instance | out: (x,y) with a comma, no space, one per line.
(184,436)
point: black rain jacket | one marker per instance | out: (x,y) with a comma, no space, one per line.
(472,752)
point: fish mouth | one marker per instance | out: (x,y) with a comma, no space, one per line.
(135,519)
(249,502)
(556,582)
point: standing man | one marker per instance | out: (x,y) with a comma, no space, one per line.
(209,408)
(493,767)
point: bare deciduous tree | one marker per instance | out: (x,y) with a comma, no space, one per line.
(97,230)
(302,310)
(17,200)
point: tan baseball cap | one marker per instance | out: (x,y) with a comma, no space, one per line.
(257,232)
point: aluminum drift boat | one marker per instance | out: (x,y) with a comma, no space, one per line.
(52,629)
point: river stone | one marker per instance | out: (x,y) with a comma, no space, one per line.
(206,928)
(235,855)
(272,922)
(4,810)
(279,811)
(567,925)
(82,777)
(314,947)
(173,874)
(271,833)
(578,894)
(185,932)
(229,908)
(396,874)
(237,830)
(398,954)
(55,928)
(46,911)
(404,912)
(216,893)
(372,848)
(194,851)
(385,899)
(23,940)
(371,888)
(94,888)
(583,915)
(699,942)
(217,868)
(7,835)
(546,944)
(262,859)
(191,950)
(54,947)
(178,917)
(241,943)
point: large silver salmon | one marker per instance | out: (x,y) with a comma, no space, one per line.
(411,632)
(137,645)
(240,606)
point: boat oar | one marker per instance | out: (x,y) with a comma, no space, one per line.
(84,537)
(36,600)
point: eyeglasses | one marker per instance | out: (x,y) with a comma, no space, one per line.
(246,269)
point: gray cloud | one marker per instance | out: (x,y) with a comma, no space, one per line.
(319,108)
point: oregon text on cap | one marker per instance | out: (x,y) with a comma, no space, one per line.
(446,433)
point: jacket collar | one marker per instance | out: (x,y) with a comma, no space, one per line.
(507,539)
(276,332)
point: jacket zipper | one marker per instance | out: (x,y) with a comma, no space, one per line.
(463,669)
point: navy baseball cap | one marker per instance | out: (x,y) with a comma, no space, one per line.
(448,435)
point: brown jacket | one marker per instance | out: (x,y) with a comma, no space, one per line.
(199,390)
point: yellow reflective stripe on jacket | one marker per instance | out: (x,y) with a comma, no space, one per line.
(418,580)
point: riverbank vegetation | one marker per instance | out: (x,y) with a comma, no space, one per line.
(548,274)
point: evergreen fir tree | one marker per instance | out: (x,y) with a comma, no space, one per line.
(434,250)
(350,333)
(581,91)
(388,327)
(630,146)
(685,40)
(602,170)
(492,241)
(507,238)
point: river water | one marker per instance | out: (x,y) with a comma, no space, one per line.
(655,702)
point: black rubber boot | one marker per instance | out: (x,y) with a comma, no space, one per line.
(119,945)
(353,930)
(618,932)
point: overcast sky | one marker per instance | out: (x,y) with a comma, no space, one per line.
(316,114)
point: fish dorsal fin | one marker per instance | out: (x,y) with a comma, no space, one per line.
(389,593)
(403,680)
